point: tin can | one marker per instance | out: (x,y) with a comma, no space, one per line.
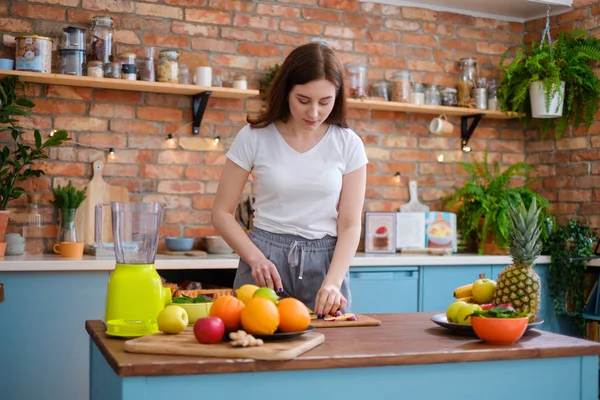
(34,53)
(481,98)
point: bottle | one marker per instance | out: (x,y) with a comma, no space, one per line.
(33,230)
(101,37)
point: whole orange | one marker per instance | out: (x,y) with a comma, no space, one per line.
(260,317)
(229,309)
(293,315)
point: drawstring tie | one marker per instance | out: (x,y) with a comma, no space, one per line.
(295,258)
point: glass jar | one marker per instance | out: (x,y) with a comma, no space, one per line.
(101,37)
(433,97)
(112,70)
(95,69)
(493,103)
(449,96)
(128,66)
(417,95)
(66,225)
(467,82)
(240,82)
(184,74)
(33,231)
(168,66)
(402,81)
(383,90)
(357,75)
(71,62)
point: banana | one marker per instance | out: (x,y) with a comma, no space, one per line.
(464,291)
(468,299)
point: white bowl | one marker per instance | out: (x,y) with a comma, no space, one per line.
(216,245)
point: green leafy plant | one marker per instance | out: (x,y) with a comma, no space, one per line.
(68,196)
(484,200)
(189,300)
(567,280)
(569,59)
(267,79)
(17,158)
(499,312)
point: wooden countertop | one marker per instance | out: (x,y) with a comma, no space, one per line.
(403,339)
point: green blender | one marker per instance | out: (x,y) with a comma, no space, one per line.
(135,294)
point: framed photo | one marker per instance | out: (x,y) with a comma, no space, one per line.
(380,232)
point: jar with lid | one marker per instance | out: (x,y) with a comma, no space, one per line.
(95,69)
(493,103)
(101,37)
(433,97)
(417,95)
(449,96)
(467,82)
(240,82)
(357,74)
(128,66)
(184,74)
(168,66)
(112,70)
(383,90)
(402,86)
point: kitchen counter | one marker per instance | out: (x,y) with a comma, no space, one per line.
(51,262)
(408,354)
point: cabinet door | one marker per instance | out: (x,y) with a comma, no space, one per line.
(439,282)
(384,290)
(43,341)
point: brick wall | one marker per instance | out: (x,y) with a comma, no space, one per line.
(248,36)
(570,166)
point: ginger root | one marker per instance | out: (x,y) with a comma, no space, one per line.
(243,339)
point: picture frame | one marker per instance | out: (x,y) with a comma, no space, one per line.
(380,232)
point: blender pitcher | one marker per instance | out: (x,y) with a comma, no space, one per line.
(135,294)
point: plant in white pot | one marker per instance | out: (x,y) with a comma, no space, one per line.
(553,81)
(17,158)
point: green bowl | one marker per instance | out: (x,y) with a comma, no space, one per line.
(195,311)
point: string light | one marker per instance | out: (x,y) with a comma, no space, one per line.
(52,132)
(170,138)
(466,148)
(397,175)
(217,139)
(111,153)
(440,158)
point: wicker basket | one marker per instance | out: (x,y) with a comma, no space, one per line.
(212,294)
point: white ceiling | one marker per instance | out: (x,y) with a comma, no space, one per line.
(506,10)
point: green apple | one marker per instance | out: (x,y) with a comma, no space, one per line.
(172,319)
(483,290)
(463,316)
(453,310)
(266,293)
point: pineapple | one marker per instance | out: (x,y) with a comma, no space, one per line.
(518,284)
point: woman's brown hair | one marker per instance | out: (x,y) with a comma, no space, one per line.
(305,64)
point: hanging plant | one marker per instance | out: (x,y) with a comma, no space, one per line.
(567,279)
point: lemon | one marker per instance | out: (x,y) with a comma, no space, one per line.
(245,292)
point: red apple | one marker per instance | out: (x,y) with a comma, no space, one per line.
(209,330)
(507,306)
(488,306)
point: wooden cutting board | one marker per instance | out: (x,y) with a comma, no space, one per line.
(362,320)
(98,192)
(185,344)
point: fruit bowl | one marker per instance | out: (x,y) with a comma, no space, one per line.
(195,311)
(441,320)
(499,330)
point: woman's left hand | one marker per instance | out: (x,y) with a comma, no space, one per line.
(329,300)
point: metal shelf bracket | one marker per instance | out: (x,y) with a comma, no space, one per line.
(198,108)
(466,130)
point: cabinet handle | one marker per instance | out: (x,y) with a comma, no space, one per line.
(382,276)
(1,292)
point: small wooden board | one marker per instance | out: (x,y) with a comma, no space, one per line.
(362,320)
(189,253)
(185,344)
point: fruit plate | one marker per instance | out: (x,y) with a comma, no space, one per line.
(441,320)
(278,336)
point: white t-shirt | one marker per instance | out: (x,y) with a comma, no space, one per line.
(297,193)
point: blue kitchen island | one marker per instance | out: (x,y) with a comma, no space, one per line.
(407,357)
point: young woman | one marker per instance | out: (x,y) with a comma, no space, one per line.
(309,173)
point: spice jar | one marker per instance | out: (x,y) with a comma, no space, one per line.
(128,66)
(101,37)
(449,96)
(358,79)
(467,82)
(112,70)
(184,74)
(240,82)
(402,86)
(433,97)
(417,95)
(95,69)
(382,89)
(168,66)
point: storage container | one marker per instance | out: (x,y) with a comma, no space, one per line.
(34,53)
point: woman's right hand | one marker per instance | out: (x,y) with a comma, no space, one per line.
(265,274)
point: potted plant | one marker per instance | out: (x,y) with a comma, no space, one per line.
(554,81)
(482,203)
(18,157)
(267,80)
(67,200)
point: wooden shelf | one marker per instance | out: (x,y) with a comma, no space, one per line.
(437,110)
(122,84)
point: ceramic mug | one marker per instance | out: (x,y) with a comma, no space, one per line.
(203,76)
(440,125)
(69,249)
(15,244)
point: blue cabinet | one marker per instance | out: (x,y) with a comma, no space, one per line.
(44,348)
(438,283)
(384,289)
